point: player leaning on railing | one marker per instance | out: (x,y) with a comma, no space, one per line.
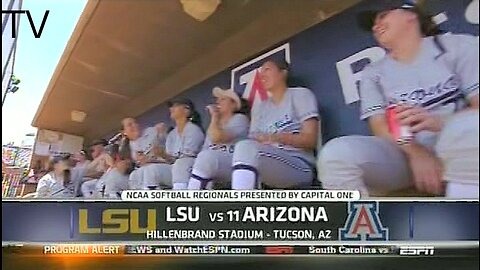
(433,81)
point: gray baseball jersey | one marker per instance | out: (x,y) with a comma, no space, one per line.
(299,104)
(49,186)
(99,190)
(149,138)
(187,144)
(237,126)
(442,75)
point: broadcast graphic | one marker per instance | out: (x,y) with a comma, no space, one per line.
(273,134)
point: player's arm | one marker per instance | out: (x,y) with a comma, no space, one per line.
(424,164)
(306,110)
(91,168)
(217,134)
(379,127)
(238,128)
(306,139)
(473,102)
(161,153)
(464,49)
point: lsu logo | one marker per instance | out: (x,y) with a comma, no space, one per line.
(245,78)
(363,223)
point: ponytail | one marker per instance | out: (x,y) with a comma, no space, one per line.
(244,108)
(196,119)
(124,150)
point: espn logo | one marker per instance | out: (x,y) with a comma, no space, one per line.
(279,250)
(417,251)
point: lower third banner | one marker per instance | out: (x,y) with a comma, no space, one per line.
(254,222)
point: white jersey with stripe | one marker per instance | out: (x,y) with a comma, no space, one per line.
(187,144)
(443,74)
(237,126)
(145,143)
(298,105)
(50,186)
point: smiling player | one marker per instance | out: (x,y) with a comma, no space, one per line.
(433,81)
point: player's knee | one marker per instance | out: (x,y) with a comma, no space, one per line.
(205,164)
(333,158)
(181,170)
(338,149)
(246,151)
(459,135)
(183,164)
(87,187)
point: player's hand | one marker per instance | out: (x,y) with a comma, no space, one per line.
(142,159)
(109,161)
(427,171)
(418,118)
(102,159)
(158,151)
(213,111)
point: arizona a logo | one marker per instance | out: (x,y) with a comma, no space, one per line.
(363,223)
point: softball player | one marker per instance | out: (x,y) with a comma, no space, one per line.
(183,144)
(116,179)
(434,77)
(95,169)
(283,135)
(225,129)
(143,144)
(82,162)
(56,183)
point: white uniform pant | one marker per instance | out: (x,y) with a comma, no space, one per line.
(156,175)
(276,168)
(212,166)
(78,179)
(88,188)
(376,166)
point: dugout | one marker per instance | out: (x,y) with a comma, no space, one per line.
(126,58)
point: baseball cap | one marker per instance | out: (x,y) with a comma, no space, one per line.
(219,92)
(99,142)
(366,19)
(181,101)
(58,158)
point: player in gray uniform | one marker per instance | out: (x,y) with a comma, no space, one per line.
(283,135)
(95,169)
(143,145)
(227,126)
(117,178)
(184,142)
(435,77)
(56,183)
